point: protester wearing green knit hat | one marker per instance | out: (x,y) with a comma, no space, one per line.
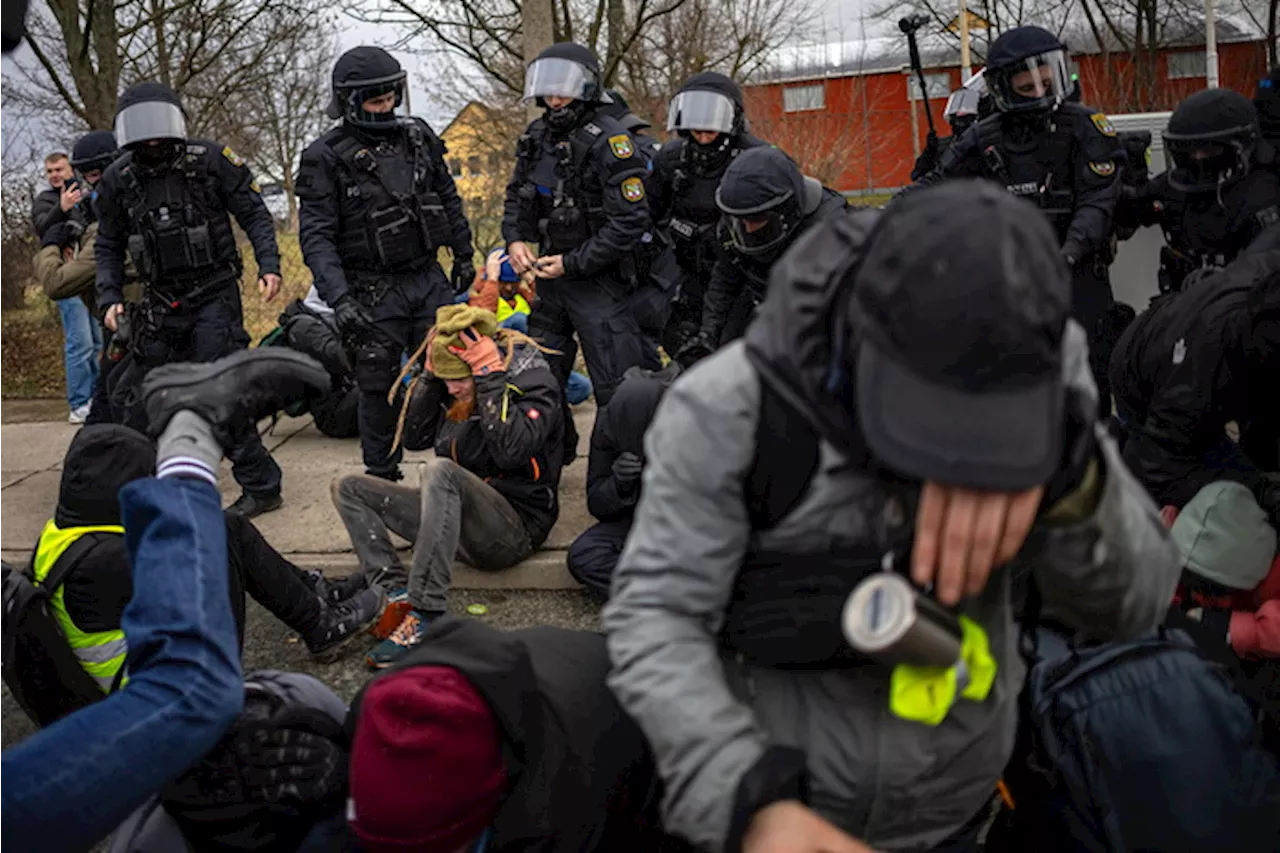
(485,399)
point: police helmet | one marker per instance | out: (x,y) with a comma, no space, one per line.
(94,151)
(565,70)
(1027,71)
(764,196)
(149,112)
(619,109)
(1211,138)
(962,109)
(708,101)
(361,74)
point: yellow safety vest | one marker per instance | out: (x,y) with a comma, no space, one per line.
(506,308)
(101,653)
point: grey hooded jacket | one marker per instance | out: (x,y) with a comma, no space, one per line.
(710,716)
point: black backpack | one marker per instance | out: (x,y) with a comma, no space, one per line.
(1158,743)
(39,666)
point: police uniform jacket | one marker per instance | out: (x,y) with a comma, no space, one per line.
(684,202)
(207,182)
(1070,169)
(1180,373)
(376,204)
(597,168)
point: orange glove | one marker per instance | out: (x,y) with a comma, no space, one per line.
(480,352)
(484,294)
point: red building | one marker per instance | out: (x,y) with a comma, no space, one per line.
(853,127)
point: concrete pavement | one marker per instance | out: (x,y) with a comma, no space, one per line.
(307,529)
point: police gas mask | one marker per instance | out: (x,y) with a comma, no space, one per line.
(709,158)
(1203,166)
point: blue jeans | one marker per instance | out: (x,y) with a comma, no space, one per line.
(83,340)
(75,781)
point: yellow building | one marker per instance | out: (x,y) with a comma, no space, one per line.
(481,142)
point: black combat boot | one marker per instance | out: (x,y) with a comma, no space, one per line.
(340,624)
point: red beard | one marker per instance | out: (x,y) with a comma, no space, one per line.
(460,410)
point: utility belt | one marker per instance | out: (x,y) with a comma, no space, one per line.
(369,287)
(179,293)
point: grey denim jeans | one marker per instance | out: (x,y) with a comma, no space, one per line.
(452,514)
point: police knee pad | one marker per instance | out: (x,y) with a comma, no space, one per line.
(376,369)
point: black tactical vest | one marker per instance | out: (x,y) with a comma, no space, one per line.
(785,609)
(569,208)
(1039,168)
(390,220)
(694,214)
(181,236)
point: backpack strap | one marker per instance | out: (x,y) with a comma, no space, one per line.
(66,563)
(787,456)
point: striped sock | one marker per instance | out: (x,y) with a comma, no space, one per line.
(186,466)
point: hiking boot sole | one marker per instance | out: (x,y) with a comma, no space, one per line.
(331,654)
(392,615)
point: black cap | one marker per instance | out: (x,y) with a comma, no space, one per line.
(960,330)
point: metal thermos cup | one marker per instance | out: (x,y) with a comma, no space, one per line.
(889,620)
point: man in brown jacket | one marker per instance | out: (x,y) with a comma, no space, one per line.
(65,265)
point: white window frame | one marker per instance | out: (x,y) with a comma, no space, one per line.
(1187,57)
(814,98)
(939,86)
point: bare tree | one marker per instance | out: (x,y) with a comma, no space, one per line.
(290,114)
(212,52)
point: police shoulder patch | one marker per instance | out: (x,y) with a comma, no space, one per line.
(1103,169)
(232,157)
(633,189)
(1103,124)
(621,146)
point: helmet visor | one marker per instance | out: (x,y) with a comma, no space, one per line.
(962,102)
(553,77)
(701,110)
(1201,165)
(150,120)
(1041,81)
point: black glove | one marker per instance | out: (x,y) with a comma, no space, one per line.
(351,316)
(626,470)
(289,766)
(694,350)
(62,234)
(463,273)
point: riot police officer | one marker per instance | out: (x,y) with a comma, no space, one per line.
(1057,154)
(578,192)
(1215,197)
(708,115)
(636,126)
(377,203)
(961,112)
(767,203)
(166,201)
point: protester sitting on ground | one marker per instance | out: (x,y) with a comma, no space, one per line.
(83,775)
(483,740)
(913,389)
(86,530)
(613,475)
(510,297)
(1194,362)
(1231,568)
(314,333)
(489,497)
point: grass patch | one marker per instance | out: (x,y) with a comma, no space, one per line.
(31,350)
(877,200)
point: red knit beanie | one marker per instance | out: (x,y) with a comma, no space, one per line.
(426,763)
